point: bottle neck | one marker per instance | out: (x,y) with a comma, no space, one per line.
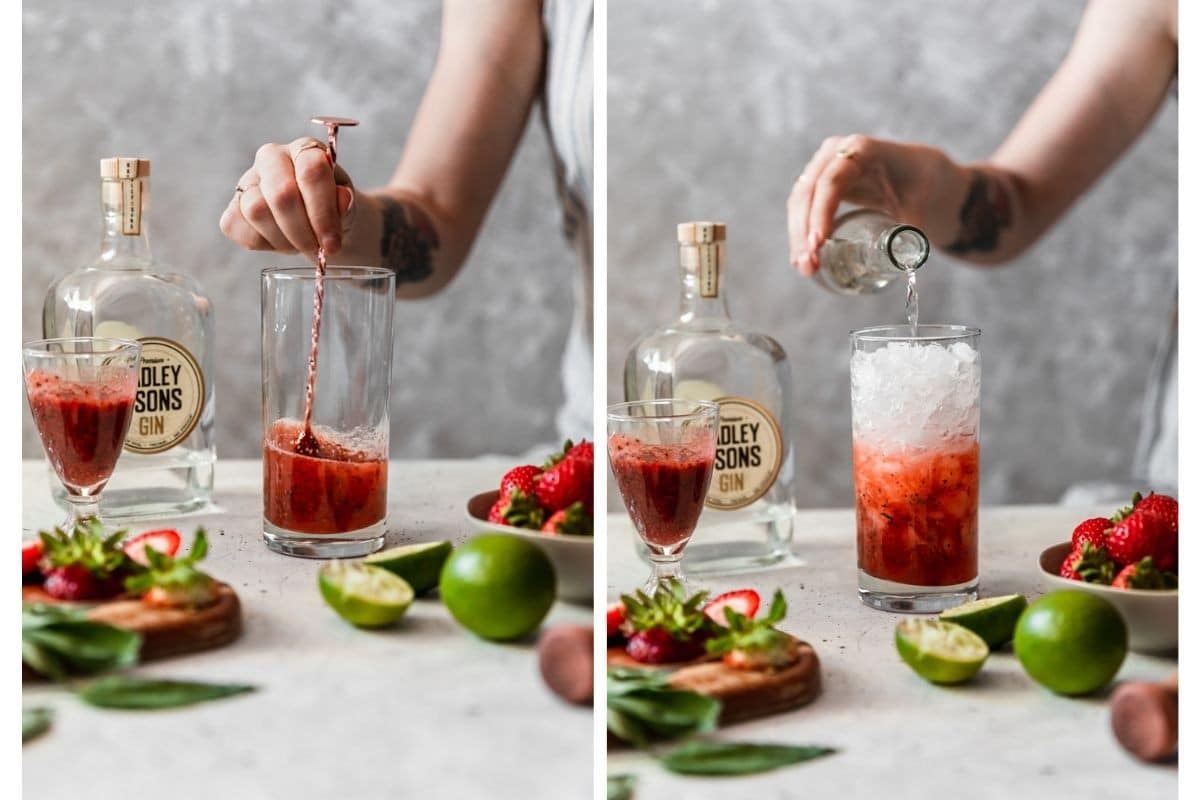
(125,243)
(695,304)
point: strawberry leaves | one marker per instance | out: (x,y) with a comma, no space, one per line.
(175,574)
(670,610)
(758,635)
(86,545)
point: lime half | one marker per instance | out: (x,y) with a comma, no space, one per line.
(940,652)
(366,596)
(993,618)
(419,564)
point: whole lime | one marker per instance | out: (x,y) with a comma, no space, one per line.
(498,586)
(1071,642)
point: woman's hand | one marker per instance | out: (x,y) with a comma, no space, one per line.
(901,180)
(291,201)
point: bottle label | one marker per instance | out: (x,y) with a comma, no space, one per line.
(708,270)
(131,197)
(749,454)
(170,397)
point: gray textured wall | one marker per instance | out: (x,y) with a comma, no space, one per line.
(713,112)
(196,87)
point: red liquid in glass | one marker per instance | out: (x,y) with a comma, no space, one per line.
(82,425)
(663,486)
(918,513)
(341,490)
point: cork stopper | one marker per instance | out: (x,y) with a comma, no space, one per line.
(700,232)
(124,168)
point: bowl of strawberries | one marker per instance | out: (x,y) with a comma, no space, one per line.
(1130,559)
(551,505)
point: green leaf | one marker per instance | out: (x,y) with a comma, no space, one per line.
(35,722)
(732,758)
(620,787)
(56,641)
(628,729)
(129,693)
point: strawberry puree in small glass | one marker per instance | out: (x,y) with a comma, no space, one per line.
(663,486)
(342,490)
(82,425)
(917,512)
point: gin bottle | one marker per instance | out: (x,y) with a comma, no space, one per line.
(868,251)
(169,458)
(705,355)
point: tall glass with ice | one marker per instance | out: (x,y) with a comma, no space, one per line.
(914,393)
(325,430)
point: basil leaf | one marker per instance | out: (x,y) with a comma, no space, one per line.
(628,729)
(129,693)
(620,787)
(41,615)
(670,712)
(42,662)
(732,758)
(35,722)
(623,680)
(86,646)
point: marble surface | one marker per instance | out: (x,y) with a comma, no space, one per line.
(421,710)
(720,131)
(197,88)
(1000,736)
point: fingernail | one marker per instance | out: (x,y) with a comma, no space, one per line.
(331,243)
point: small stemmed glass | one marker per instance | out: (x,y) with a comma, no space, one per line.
(81,394)
(661,453)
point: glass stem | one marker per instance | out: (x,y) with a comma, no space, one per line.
(82,508)
(665,570)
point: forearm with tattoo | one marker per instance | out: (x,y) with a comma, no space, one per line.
(407,242)
(984,215)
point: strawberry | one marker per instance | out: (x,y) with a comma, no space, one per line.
(1134,536)
(666,626)
(1166,509)
(165,541)
(517,509)
(743,601)
(520,478)
(74,583)
(658,646)
(616,619)
(1090,530)
(569,481)
(571,520)
(31,553)
(67,556)
(1142,575)
(175,582)
(567,477)
(1088,563)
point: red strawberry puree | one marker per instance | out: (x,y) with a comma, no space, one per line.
(342,490)
(82,425)
(663,486)
(917,512)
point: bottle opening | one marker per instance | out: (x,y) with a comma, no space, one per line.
(907,247)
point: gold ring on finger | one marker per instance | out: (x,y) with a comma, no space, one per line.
(309,146)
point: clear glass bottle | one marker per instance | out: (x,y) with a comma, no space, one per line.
(868,251)
(705,355)
(170,453)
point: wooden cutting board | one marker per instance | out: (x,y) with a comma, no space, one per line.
(744,694)
(165,631)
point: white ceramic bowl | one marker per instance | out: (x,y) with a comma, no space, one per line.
(1152,616)
(570,555)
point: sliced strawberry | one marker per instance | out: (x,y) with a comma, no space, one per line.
(657,646)
(1091,530)
(743,601)
(31,553)
(165,541)
(520,478)
(616,618)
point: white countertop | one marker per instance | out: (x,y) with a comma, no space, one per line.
(422,710)
(898,737)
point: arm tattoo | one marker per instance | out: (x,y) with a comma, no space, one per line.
(984,215)
(408,242)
